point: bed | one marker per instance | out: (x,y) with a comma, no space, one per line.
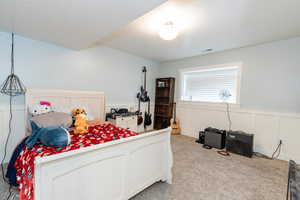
(115,170)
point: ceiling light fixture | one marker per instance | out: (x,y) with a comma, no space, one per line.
(12,86)
(168,31)
(207,50)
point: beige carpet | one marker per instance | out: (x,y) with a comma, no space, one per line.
(201,174)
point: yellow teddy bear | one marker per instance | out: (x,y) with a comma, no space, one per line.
(81,122)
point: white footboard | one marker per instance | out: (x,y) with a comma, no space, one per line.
(112,171)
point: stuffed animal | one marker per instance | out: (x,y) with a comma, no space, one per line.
(78,111)
(53,136)
(42,108)
(81,122)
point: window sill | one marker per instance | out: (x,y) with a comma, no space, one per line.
(208,104)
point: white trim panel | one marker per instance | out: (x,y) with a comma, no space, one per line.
(268,127)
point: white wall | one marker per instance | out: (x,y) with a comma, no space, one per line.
(270,77)
(43,65)
(270,96)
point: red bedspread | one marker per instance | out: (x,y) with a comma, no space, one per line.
(25,162)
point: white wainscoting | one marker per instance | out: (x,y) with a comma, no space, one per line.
(18,128)
(268,127)
(18,125)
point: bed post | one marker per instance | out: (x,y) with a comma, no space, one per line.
(169,157)
(170,161)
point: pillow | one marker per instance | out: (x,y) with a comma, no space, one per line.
(50,119)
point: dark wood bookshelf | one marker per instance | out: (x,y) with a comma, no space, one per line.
(164,101)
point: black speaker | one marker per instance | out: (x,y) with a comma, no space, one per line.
(215,138)
(240,143)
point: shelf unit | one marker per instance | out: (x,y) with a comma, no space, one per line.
(164,101)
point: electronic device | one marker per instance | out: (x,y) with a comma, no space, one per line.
(119,111)
(115,112)
(201,137)
(215,138)
(240,143)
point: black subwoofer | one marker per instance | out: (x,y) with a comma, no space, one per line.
(240,143)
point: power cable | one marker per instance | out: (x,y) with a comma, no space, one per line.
(6,144)
(278,149)
(228,116)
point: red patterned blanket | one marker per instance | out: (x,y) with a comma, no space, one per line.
(25,163)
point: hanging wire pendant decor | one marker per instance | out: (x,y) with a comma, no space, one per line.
(12,86)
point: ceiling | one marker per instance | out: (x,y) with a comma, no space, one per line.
(133,25)
(71,23)
(208,24)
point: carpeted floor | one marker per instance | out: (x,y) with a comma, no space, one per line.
(4,190)
(201,174)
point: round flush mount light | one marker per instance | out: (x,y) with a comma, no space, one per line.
(168,31)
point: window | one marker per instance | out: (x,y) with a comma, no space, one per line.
(206,84)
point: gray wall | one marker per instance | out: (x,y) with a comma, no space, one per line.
(43,65)
(270,77)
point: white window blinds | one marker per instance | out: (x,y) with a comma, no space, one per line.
(205,85)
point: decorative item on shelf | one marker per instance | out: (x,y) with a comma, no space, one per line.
(161,84)
(176,130)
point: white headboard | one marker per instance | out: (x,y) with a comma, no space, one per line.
(66,100)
